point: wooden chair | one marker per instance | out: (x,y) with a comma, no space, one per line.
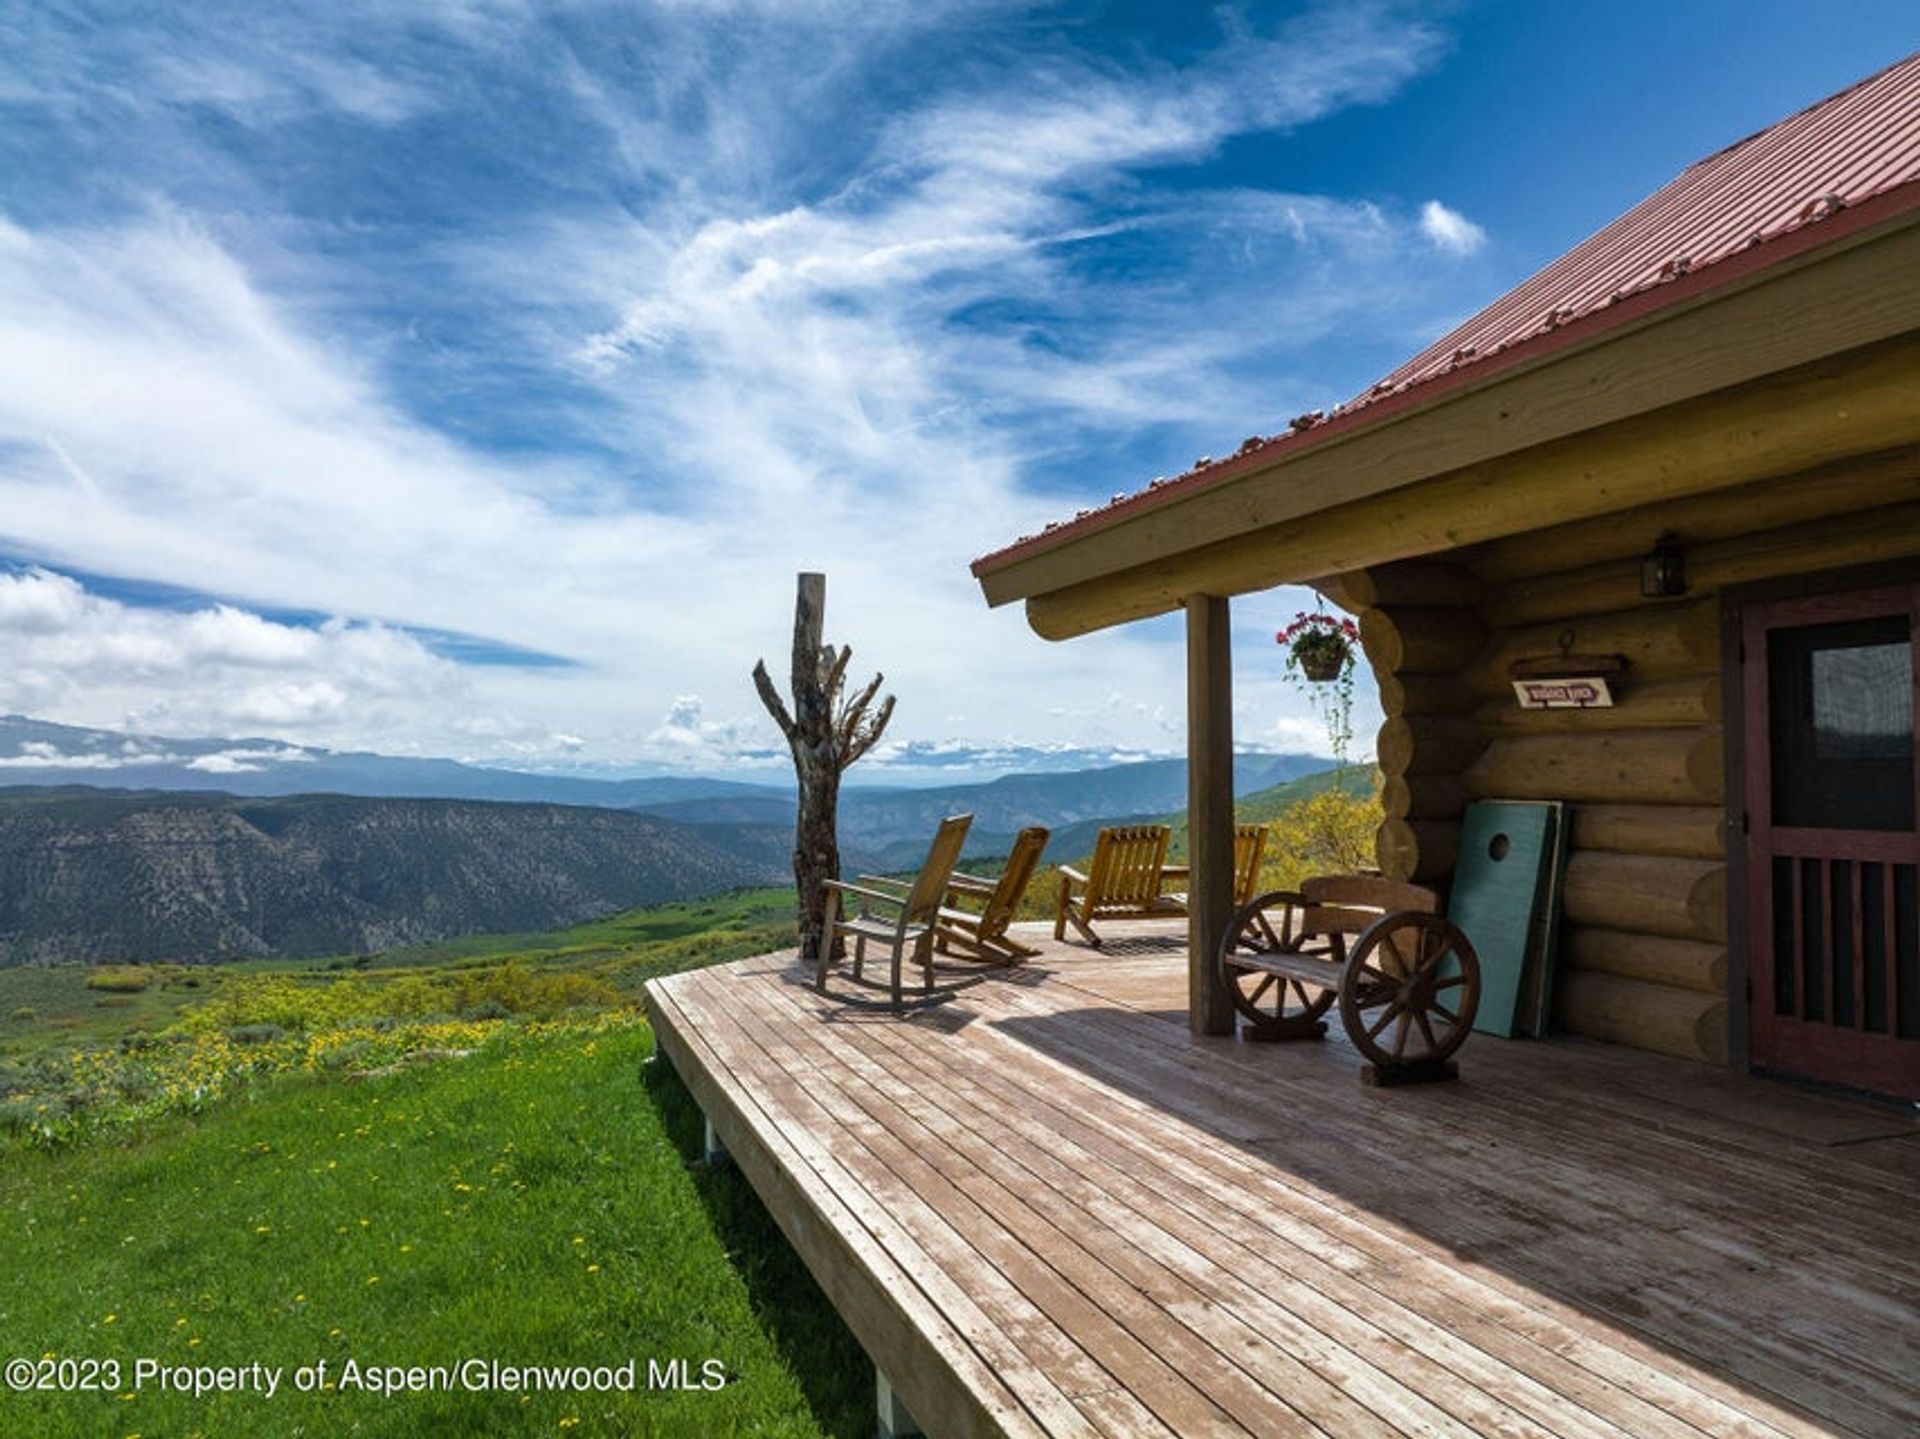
(1124,880)
(1406,980)
(1249,852)
(983,934)
(916,911)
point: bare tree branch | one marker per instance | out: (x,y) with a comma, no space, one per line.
(848,723)
(870,734)
(833,669)
(770,697)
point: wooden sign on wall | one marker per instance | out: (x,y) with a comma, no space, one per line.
(1573,692)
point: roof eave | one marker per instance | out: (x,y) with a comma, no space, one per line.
(1000,573)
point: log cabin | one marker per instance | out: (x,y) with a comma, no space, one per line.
(1686,453)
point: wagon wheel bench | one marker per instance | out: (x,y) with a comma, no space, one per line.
(1406,980)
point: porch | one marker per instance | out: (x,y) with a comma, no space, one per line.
(1045,1207)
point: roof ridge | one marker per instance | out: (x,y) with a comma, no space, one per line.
(1791,116)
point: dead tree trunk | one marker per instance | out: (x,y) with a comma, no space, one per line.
(826,735)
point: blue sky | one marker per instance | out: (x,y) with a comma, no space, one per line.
(470,377)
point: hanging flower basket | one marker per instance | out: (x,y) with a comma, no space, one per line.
(1320,657)
(1320,646)
(1323,666)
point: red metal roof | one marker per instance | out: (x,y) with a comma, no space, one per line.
(1850,160)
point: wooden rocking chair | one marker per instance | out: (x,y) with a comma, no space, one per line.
(983,935)
(1123,881)
(917,911)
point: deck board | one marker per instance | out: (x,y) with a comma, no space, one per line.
(1046,1209)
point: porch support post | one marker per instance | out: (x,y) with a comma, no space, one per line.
(1209,808)
(895,1421)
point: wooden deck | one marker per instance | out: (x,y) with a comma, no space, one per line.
(1046,1209)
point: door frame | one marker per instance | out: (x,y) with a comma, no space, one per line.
(1734,599)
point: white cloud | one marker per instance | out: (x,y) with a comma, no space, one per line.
(1449,230)
(225,762)
(217,671)
(37,754)
(687,736)
(772,376)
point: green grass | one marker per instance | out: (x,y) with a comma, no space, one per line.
(530,1203)
(444,1153)
(50,1008)
(47,1012)
(736,914)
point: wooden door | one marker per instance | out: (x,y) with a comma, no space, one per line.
(1833,855)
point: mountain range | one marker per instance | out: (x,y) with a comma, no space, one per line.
(38,752)
(889,828)
(183,857)
(41,752)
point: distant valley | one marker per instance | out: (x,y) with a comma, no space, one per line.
(100,875)
(177,860)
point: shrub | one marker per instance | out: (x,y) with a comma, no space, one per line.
(1330,833)
(516,988)
(120,978)
(25,1012)
(345,1056)
(256,1033)
(18,1116)
(306,1005)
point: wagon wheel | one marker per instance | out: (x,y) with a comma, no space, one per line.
(1271,1004)
(1409,993)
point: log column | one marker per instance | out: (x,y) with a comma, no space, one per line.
(1420,630)
(1209,808)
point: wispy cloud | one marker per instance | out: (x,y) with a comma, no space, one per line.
(582,330)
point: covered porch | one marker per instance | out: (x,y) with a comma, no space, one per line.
(1045,1206)
(1680,467)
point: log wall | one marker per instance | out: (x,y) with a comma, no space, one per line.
(1644,956)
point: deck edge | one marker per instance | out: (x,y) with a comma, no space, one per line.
(938,1397)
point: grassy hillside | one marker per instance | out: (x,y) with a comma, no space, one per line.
(530,1202)
(443,1153)
(89,1047)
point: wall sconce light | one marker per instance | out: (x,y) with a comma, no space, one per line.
(1664,572)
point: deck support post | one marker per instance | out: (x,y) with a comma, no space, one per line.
(713,1149)
(895,1421)
(1209,808)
